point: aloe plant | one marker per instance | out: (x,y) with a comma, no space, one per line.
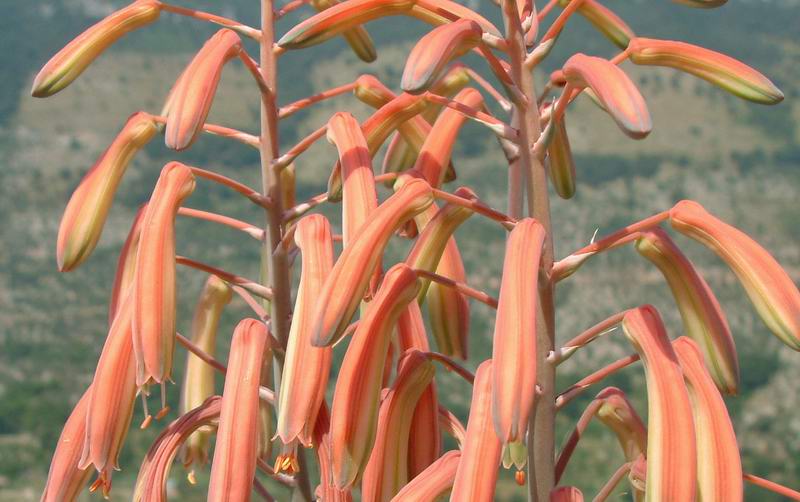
(382,433)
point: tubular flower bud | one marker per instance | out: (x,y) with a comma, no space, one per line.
(605,21)
(191,98)
(77,55)
(476,475)
(234,464)
(430,56)
(198,379)
(154,292)
(126,263)
(354,414)
(702,315)
(434,482)
(619,415)
(349,278)
(387,470)
(88,206)
(65,479)
(514,342)
(357,37)
(288,187)
(306,368)
(561,165)
(113,393)
(566,494)
(719,69)
(671,451)
(771,290)
(151,484)
(615,91)
(719,467)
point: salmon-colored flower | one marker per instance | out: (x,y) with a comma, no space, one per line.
(327,489)
(615,90)
(387,470)
(65,479)
(434,482)
(619,415)
(354,413)
(234,464)
(193,93)
(306,368)
(88,206)
(198,379)
(719,467)
(605,21)
(70,61)
(703,319)
(560,164)
(476,475)
(671,451)
(719,69)
(430,56)
(154,292)
(348,281)
(126,263)
(773,293)
(514,341)
(566,494)
(357,37)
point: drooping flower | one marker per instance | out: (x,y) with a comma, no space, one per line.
(87,209)
(126,263)
(434,482)
(357,37)
(561,165)
(619,415)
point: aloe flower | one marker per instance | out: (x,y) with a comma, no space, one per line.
(66,480)
(198,379)
(387,469)
(618,414)
(566,494)
(357,37)
(514,340)
(605,21)
(88,207)
(719,69)
(703,319)
(154,280)
(615,91)
(434,482)
(476,475)
(561,165)
(719,468)
(348,281)
(671,451)
(77,55)
(771,290)
(191,98)
(126,263)
(234,464)
(306,368)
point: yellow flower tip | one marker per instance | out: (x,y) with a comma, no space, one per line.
(561,165)
(619,415)
(75,57)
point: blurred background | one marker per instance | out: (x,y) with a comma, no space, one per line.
(738,159)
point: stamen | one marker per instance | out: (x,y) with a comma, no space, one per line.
(191,477)
(519,477)
(147,416)
(164,408)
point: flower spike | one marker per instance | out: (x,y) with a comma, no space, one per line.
(76,56)
(434,482)
(771,290)
(88,206)
(154,292)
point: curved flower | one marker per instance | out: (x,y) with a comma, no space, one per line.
(126,263)
(561,165)
(434,482)
(619,415)
(357,37)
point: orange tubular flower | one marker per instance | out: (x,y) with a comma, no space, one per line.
(772,291)
(514,345)
(387,470)
(198,379)
(434,482)
(110,408)
(70,61)
(357,37)
(191,97)
(429,57)
(306,368)
(348,281)
(154,279)
(615,90)
(561,165)
(476,475)
(126,263)
(702,315)
(88,207)
(354,413)
(671,451)
(619,415)
(719,467)
(605,21)
(65,479)
(566,494)
(719,69)
(234,465)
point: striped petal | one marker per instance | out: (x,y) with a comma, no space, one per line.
(703,318)
(771,290)
(619,415)
(434,482)
(88,206)
(719,69)
(561,165)
(357,37)
(77,55)
(615,90)
(606,22)
(154,280)
(126,263)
